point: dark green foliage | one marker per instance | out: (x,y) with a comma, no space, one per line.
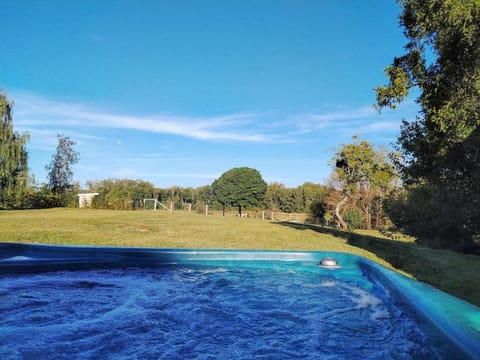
(13,159)
(441,147)
(240,187)
(354,218)
(431,215)
(42,198)
(317,209)
(204,196)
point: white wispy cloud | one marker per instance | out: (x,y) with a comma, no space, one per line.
(33,111)
(360,120)
(382,126)
(330,117)
(42,115)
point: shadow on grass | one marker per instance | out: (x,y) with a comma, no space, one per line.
(397,253)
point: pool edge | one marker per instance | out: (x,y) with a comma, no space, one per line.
(456,319)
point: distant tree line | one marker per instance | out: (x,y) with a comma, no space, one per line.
(244,189)
(127,194)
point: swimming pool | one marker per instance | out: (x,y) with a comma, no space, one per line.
(77,302)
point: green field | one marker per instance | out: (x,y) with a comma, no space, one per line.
(452,272)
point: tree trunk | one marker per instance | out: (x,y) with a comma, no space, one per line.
(368,219)
(378,213)
(339,217)
(239,211)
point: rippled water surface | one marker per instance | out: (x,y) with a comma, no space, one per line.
(200,312)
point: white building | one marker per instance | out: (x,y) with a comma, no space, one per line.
(85,200)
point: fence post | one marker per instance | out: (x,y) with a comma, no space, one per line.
(206,209)
(263,215)
(171,206)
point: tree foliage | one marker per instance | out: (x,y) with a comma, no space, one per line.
(291,200)
(441,147)
(240,187)
(60,172)
(317,209)
(13,158)
(365,176)
(354,218)
(120,194)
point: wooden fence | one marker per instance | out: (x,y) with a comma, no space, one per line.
(300,218)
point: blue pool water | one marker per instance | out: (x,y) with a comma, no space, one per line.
(201,312)
(122,303)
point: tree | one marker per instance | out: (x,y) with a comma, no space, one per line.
(241,187)
(204,196)
(60,172)
(274,195)
(296,199)
(311,193)
(363,174)
(13,158)
(331,200)
(120,193)
(441,147)
(317,209)
(353,217)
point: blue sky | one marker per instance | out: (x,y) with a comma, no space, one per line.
(178,92)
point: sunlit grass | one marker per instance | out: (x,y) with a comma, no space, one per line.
(158,229)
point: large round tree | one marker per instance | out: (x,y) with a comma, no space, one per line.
(241,187)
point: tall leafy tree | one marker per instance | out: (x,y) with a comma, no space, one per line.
(441,147)
(60,171)
(240,187)
(363,174)
(13,158)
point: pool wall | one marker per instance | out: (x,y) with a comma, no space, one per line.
(457,321)
(452,324)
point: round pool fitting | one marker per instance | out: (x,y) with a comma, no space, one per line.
(329,263)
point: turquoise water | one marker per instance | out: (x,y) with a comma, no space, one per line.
(202,312)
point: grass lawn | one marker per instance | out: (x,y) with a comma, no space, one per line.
(451,272)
